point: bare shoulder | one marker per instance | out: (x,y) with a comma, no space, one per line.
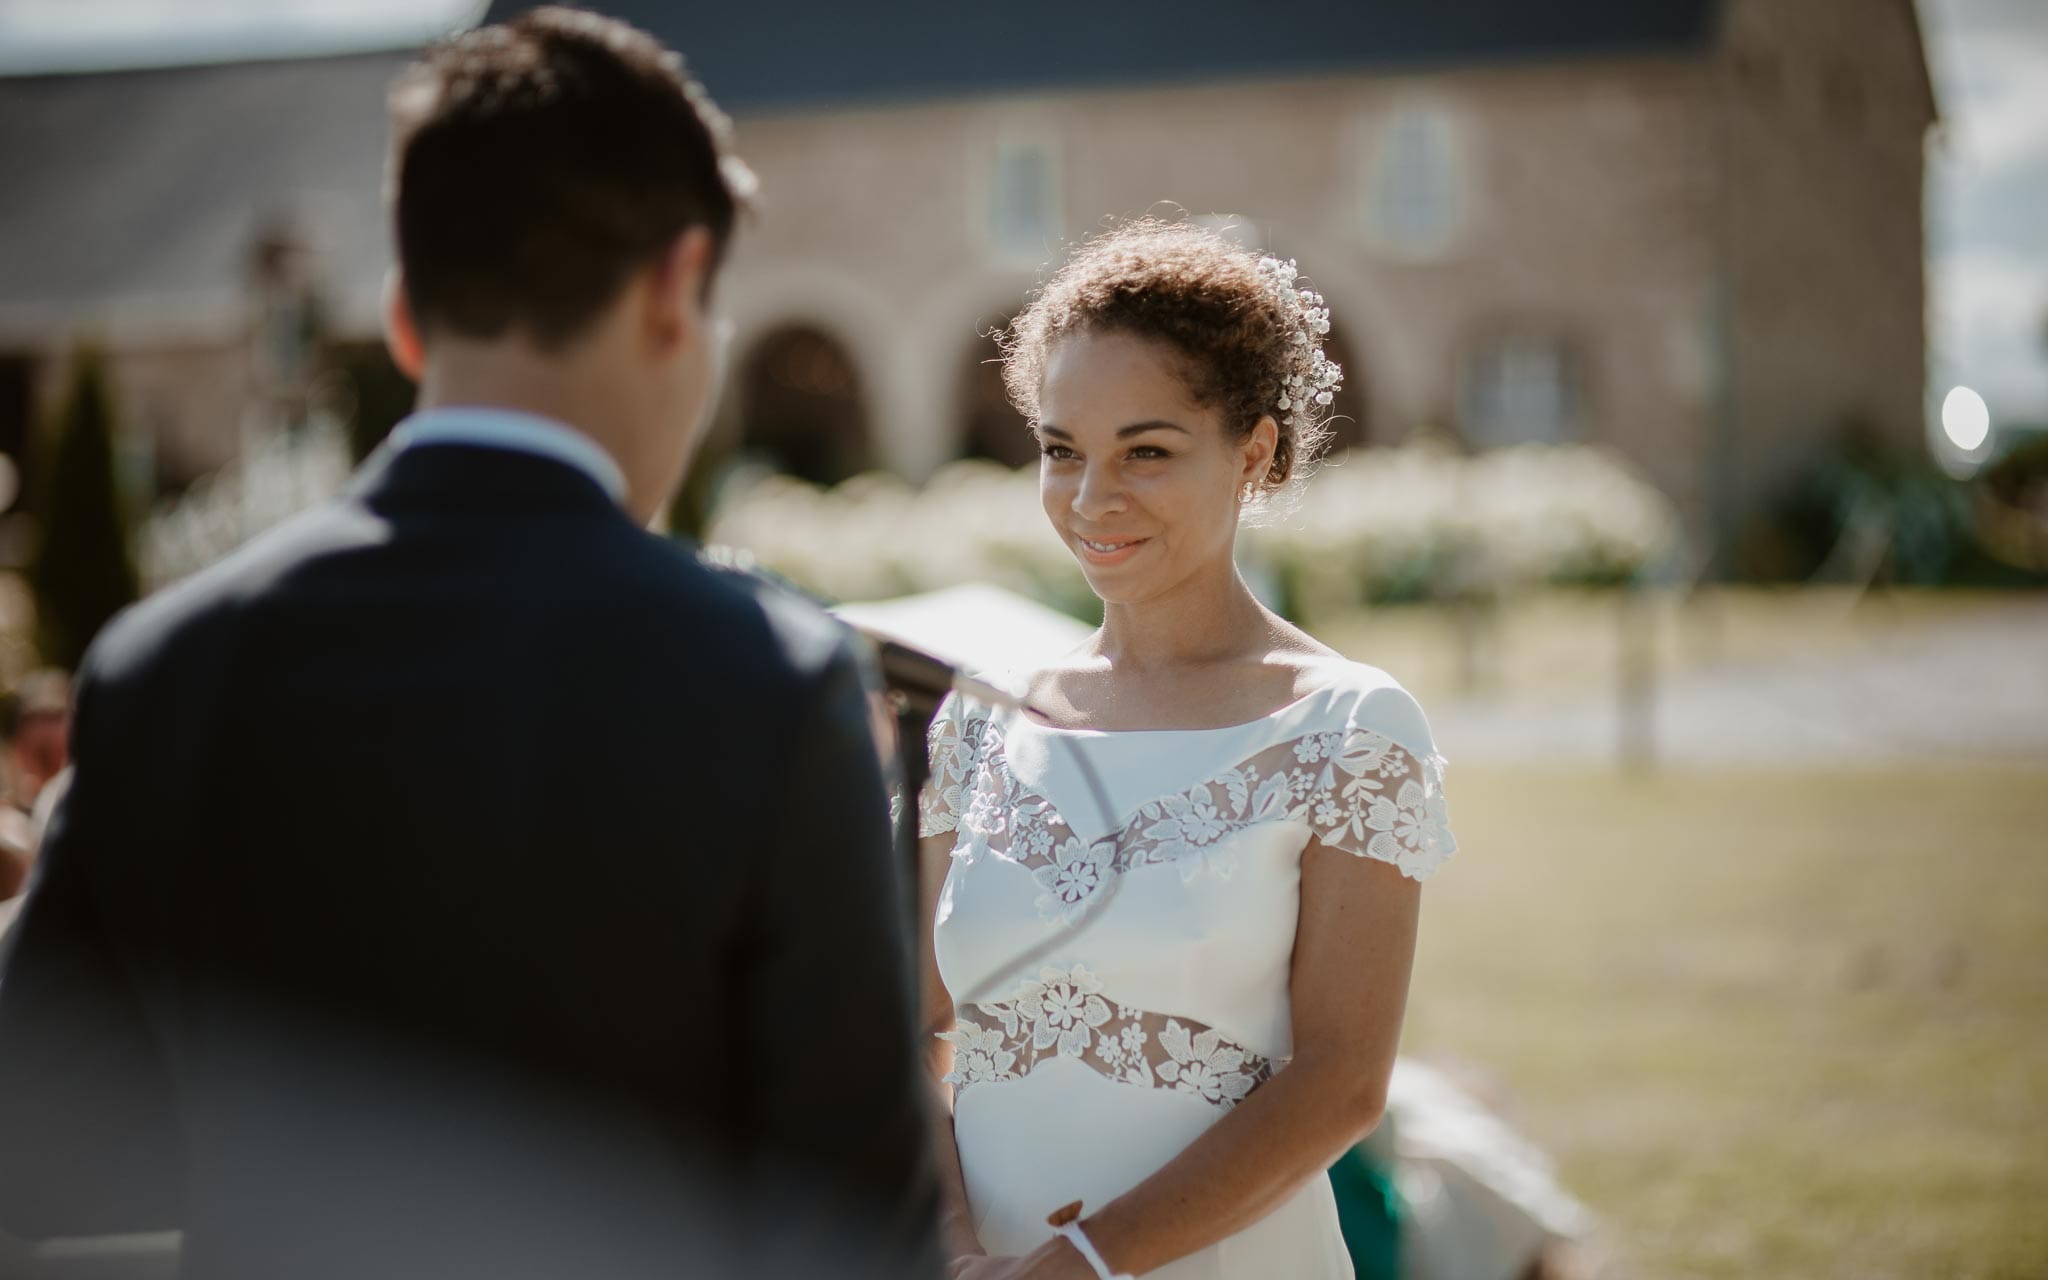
(1061,689)
(1310,664)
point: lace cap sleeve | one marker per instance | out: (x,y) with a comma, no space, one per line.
(1377,786)
(953,744)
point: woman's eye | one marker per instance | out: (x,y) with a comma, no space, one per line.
(1056,451)
(1149,451)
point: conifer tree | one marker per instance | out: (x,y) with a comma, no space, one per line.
(83,571)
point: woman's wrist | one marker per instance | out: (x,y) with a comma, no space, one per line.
(1066,1222)
(1058,1259)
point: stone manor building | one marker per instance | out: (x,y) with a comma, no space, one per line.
(1688,229)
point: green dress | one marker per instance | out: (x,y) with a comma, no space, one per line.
(1369,1211)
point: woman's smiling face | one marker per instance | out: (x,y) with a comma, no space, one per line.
(1142,482)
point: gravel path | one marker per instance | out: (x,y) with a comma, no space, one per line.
(1958,690)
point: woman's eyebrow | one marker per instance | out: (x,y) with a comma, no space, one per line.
(1136,428)
(1156,424)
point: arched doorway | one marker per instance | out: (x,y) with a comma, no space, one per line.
(990,426)
(800,406)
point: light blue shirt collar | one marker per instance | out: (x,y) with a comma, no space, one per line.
(491,428)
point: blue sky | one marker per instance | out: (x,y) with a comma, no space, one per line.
(80,34)
(1988,170)
(1987,202)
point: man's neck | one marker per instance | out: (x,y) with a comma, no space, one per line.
(535,397)
(477,376)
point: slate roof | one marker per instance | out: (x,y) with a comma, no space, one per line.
(805,53)
(131,197)
(135,195)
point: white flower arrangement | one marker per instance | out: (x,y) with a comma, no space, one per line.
(284,474)
(1376,524)
(875,537)
(1316,377)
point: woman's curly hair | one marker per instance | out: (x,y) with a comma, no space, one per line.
(1241,338)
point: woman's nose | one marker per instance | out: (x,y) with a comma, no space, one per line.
(1099,494)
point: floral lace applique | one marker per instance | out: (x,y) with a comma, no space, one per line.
(972,789)
(1063,1013)
(1356,790)
(954,746)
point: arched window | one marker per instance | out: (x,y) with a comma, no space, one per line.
(1519,388)
(801,408)
(1024,199)
(1415,184)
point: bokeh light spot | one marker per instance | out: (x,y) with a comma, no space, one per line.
(1965,419)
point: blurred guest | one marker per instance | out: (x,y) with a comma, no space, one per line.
(15,854)
(30,839)
(38,734)
(17,867)
(339,1001)
(35,724)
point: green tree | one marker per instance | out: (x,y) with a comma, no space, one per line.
(376,396)
(83,572)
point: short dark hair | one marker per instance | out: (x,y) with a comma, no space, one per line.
(538,163)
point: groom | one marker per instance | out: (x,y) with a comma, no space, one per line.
(336,962)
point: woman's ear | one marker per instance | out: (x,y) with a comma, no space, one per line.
(1259,448)
(401,331)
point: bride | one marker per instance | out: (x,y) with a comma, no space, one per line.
(1171,975)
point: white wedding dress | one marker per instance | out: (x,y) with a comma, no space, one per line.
(1120,977)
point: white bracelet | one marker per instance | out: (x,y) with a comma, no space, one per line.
(1086,1248)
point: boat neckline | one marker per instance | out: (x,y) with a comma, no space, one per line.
(1024,714)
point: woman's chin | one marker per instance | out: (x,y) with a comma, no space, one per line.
(1115,586)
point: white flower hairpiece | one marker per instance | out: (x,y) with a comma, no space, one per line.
(1318,377)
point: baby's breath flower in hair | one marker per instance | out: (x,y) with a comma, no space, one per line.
(1316,378)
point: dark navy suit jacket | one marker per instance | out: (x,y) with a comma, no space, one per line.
(462,881)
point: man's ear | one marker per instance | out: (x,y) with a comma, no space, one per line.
(677,284)
(401,332)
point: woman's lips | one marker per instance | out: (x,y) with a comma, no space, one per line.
(1108,551)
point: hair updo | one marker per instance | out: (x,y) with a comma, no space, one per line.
(1250,344)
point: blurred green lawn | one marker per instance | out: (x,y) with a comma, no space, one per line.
(1771,1025)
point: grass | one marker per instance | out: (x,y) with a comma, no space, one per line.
(1771,1025)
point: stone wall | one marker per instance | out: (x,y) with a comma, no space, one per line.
(1583,199)
(1725,250)
(1825,111)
